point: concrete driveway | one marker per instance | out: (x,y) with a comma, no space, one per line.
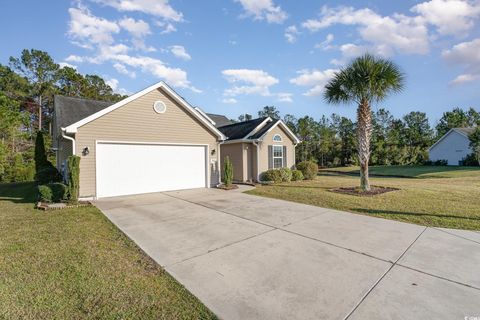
(248,257)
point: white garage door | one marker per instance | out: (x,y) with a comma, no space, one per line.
(124,169)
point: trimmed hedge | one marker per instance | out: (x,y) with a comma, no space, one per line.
(53,192)
(73,165)
(309,169)
(297,175)
(277,175)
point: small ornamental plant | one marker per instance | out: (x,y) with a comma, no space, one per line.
(227,172)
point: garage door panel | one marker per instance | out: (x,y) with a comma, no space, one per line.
(124,169)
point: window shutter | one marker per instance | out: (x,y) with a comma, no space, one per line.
(285,165)
(270,157)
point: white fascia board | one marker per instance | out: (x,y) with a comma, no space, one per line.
(74,127)
(203,114)
(264,122)
(285,127)
(240,141)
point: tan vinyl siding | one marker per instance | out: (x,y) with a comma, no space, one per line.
(138,122)
(268,140)
(235,152)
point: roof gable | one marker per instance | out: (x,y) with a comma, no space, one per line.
(241,130)
(72,128)
(451,131)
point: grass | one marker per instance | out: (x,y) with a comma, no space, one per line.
(434,200)
(412,171)
(75,264)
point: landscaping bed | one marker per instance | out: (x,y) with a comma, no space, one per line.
(356,191)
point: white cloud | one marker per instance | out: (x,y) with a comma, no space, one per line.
(167,27)
(159,8)
(449,16)
(467,55)
(251,82)
(113,83)
(326,44)
(74,58)
(123,70)
(138,28)
(465,78)
(85,27)
(64,64)
(98,33)
(180,52)
(263,10)
(284,97)
(229,100)
(291,33)
(316,79)
(396,33)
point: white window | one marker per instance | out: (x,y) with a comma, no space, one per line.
(277,157)
(277,138)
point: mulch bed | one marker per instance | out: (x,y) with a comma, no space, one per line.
(356,191)
(58,206)
(224,187)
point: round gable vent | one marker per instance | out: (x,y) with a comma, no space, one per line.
(159,106)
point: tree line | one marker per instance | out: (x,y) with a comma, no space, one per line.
(331,141)
(27,86)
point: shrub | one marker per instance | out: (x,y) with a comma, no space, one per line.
(309,169)
(272,175)
(285,174)
(277,175)
(45,193)
(48,174)
(52,192)
(73,166)
(297,175)
(470,160)
(40,153)
(227,172)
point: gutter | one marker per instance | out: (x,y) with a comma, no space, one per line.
(68,138)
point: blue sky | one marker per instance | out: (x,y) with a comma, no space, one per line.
(236,56)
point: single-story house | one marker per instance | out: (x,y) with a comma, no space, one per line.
(257,145)
(452,147)
(152,141)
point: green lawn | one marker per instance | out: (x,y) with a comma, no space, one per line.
(413,171)
(434,200)
(75,264)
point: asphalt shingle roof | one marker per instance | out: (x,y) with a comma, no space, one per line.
(466,131)
(263,130)
(241,129)
(220,120)
(69,110)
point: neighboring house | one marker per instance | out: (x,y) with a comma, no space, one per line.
(257,145)
(453,146)
(151,141)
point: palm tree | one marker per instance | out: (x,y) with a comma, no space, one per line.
(365,80)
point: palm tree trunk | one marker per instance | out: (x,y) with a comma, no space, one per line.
(364,132)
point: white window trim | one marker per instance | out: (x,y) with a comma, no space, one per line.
(277,135)
(274,157)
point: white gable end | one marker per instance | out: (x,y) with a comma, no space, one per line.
(452,147)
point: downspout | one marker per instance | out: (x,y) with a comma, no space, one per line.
(255,143)
(219,162)
(68,138)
